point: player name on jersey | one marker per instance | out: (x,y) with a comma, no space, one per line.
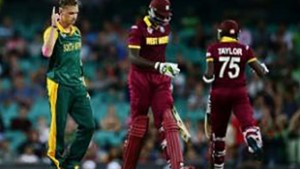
(230,51)
(157,40)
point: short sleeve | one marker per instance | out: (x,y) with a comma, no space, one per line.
(135,38)
(47,34)
(209,54)
(250,55)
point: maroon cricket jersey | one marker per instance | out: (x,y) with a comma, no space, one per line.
(151,41)
(230,59)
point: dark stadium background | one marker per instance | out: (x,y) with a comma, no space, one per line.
(271,27)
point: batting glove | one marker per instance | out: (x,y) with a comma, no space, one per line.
(265,67)
(168,69)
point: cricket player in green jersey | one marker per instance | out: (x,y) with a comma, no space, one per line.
(66,88)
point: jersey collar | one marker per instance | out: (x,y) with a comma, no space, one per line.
(63,30)
(149,24)
(147,21)
(227,39)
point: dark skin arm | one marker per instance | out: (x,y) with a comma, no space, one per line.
(209,72)
(134,57)
(256,66)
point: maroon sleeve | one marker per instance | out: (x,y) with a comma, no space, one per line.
(250,55)
(135,37)
(210,54)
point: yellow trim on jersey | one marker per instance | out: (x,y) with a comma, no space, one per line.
(47,34)
(63,30)
(134,46)
(52,93)
(209,59)
(147,21)
(227,39)
(252,60)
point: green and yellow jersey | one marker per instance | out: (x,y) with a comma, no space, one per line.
(65,65)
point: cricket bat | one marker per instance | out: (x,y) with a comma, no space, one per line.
(185,134)
(207,127)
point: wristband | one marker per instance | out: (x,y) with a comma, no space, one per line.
(156,66)
(206,80)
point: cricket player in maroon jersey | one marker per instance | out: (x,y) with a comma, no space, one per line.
(226,63)
(150,86)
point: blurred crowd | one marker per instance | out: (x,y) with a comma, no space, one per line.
(25,116)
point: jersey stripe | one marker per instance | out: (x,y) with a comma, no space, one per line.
(251,60)
(134,46)
(209,59)
(52,93)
